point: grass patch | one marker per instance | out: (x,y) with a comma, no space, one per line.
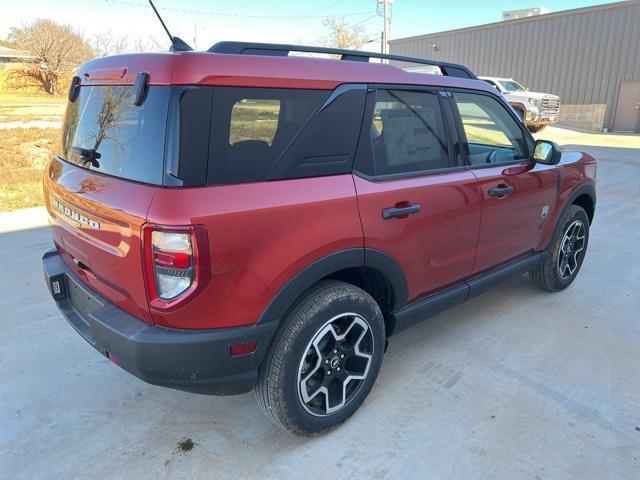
(24,152)
(27,107)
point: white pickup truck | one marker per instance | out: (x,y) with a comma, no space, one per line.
(537,110)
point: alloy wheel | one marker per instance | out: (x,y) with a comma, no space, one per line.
(571,248)
(335,364)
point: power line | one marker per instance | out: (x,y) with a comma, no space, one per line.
(375,15)
(239,15)
(326,7)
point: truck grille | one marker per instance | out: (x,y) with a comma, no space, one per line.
(550,106)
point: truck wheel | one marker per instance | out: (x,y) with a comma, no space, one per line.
(536,128)
(324,359)
(565,253)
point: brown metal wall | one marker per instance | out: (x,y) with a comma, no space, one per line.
(581,55)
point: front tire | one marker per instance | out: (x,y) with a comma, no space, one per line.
(324,359)
(536,128)
(565,253)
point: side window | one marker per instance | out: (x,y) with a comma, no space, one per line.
(493,135)
(407,134)
(252,127)
(275,133)
(254,119)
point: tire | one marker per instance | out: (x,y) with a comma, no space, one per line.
(536,128)
(564,255)
(306,349)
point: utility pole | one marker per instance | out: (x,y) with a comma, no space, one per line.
(195,35)
(384,9)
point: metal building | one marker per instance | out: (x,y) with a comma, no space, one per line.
(589,56)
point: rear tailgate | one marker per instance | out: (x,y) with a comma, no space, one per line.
(96,223)
(109,166)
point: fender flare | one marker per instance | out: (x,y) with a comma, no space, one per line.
(586,188)
(330,264)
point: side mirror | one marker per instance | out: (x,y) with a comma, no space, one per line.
(546,152)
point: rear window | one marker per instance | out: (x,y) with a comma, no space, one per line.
(406,135)
(104,131)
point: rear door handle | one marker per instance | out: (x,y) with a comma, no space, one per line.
(500,191)
(395,212)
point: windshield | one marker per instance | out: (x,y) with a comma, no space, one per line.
(104,131)
(511,86)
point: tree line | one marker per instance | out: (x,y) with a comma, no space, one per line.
(57,50)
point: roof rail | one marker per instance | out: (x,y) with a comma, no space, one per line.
(282,50)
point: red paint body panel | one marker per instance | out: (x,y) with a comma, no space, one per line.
(575,170)
(513,225)
(435,247)
(202,68)
(159,65)
(261,234)
(113,254)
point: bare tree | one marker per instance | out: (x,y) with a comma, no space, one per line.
(107,43)
(342,35)
(58,49)
(151,44)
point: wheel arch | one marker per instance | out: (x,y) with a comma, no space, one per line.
(374,271)
(584,195)
(519,107)
(588,202)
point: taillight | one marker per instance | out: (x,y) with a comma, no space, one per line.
(177,263)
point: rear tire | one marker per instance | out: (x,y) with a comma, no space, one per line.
(324,359)
(536,128)
(565,253)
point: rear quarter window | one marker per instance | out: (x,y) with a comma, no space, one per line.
(254,119)
(274,134)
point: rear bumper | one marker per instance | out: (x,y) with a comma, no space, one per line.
(192,360)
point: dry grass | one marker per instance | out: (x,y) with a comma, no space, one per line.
(19,106)
(25,151)
(23,154)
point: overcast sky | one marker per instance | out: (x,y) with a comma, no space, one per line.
(284,21)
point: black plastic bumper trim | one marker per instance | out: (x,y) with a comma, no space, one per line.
(192,360)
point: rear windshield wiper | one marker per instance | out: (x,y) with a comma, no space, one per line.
(88,156)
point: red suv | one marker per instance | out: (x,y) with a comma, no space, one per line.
(242,218)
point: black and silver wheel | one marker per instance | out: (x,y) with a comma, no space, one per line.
(565,253)
(571,249)
(324,360)
(335,365)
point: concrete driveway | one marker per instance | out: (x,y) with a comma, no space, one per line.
(516,384)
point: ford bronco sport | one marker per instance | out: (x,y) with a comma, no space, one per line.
(245,219)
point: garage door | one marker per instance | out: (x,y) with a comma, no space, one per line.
(628,110)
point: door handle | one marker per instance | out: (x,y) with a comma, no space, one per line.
(500,191)
(395,212)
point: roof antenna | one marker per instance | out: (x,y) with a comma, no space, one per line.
(177,44)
